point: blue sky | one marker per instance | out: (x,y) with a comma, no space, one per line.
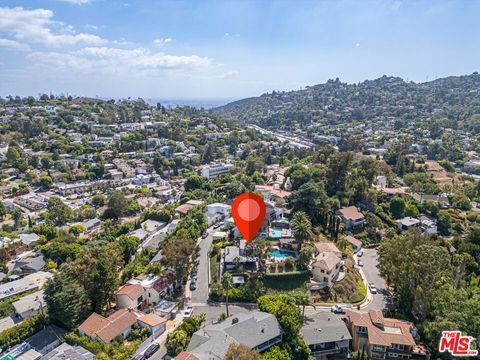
(228,49)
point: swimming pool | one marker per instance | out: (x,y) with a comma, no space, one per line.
(282,254)
(275,233)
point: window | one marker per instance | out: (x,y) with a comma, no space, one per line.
(397,346)
(325,279)
(362,329)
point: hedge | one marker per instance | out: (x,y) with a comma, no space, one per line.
(22,331)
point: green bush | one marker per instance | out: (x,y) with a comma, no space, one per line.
(116,350)
(178,339)
(20,332)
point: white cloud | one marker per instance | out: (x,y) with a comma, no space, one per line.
(91,27)
(230,74)
(108,59)
(76,2)
(161,41)
(35,27)
(13,45)
(357,45)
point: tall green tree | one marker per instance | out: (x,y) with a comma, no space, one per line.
(227,282)
(117,205)
(66,300)
(415,275)
(58,213)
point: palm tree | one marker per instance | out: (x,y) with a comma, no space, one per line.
(301,228)
(227,282)
(302,299)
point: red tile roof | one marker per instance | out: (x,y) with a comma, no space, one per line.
(186,356)
(389,331)
(133,291)
(107,329)
(351,213)
(152,319)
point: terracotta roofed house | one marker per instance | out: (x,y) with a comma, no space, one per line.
(351,217)
(97,327)
(384,338)
(130,296)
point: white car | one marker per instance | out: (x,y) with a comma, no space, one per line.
(337,309)
(360,253)
(188,312)
(373,288)
(360,263)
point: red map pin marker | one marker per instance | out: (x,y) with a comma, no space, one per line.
(248,211)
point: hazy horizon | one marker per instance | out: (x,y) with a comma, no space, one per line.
(227,49)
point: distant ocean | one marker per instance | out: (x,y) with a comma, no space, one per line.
(198,103)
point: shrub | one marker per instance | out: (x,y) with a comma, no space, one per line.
(20,332)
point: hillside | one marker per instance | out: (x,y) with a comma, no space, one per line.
(455,97)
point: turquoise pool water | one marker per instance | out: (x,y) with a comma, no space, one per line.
(275,233)
(282,254)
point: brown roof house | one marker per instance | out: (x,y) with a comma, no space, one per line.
(351,217)
(100,328)
(145,290)
(326,267)
(384,338)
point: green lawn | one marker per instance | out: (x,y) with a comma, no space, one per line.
(281,282)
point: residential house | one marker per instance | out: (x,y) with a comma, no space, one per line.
(16,287)
(217,212)
(145,290)
(106,329)
(327,336)
(215,170)
(408,223)
(46,339)
(156,324)
(151,226)
(257,330)
(130,296)
(351,217)
(68,352)
(233,256)
(30,305)
(384,338)
(326,267)
(357,244)
(28,264)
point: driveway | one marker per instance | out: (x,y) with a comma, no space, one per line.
(370,269)
(199,296)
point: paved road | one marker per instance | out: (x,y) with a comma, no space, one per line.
(382,299)
(200,294)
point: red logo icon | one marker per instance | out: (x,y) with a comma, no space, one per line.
(456,344)
(248,211)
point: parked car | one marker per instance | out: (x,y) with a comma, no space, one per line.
(217,225)
(360,263)
(205,234)
(360,253)
(188,312)
(193,284)
(152,349)
(139,357)
(373,288)
(337,309)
